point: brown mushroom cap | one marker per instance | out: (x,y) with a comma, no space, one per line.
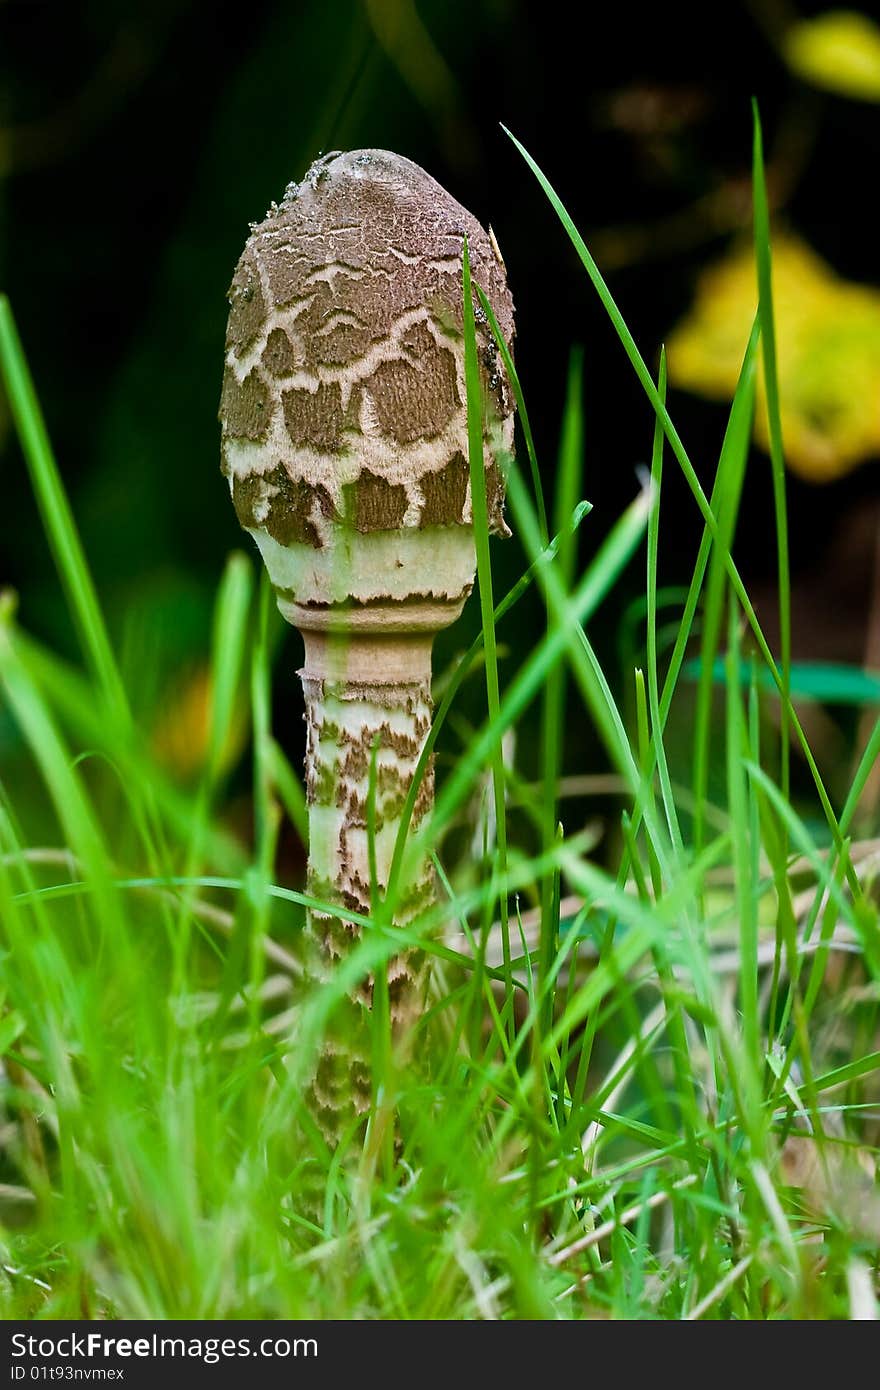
(343,395)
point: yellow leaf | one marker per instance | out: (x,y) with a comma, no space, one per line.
(828,348)
(839,51)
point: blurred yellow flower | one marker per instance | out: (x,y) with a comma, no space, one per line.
(181,737)
(828,345)
(839,51)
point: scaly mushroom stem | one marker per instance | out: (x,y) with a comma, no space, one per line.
(368,704)
(366,693)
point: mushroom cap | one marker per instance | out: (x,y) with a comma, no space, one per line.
(344,403)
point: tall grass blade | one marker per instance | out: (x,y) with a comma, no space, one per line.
(725,504)
(777,459)
(568,488)
(57,517)
(475,416)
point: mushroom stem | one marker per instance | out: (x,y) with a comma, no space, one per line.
(368,705)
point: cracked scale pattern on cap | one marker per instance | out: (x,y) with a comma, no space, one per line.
(343,393)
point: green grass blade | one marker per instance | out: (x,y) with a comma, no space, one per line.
(777,460)
(657,745)
(82,832)
(725,505)
(475,414)
(57,517)
(266,810)
(289,788)
(230,633)
(521,410)
(569,472)
(863,772)
(745,888)
(232,615)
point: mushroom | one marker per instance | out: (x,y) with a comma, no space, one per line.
(344,442)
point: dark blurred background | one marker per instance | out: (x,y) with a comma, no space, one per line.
(137,141)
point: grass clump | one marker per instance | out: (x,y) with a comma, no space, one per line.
(643,1085)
